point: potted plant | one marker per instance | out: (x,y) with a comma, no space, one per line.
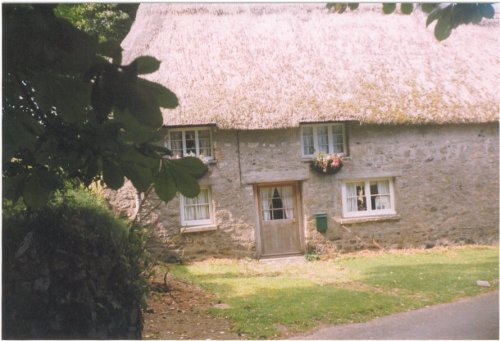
(326,163)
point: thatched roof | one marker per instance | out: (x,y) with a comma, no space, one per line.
(264,66)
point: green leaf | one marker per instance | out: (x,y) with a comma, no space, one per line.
(133,129)
(146,64)
(443,28)
(13,187)
(109,48)
(406,8)
(353,5)
(185,183)
(141,104)
(165,185)
(487,10)
(428,7)
(165,97)
(476,15)
(435,14)
(112,174)
(70,96)
(16,135)
(37,188)
(140,176)
(132,155)
(388,8)
(190,165)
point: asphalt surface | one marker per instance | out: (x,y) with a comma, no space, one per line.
(473,318)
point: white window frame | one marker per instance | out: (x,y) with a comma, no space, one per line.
(200,222)
(315,127)
(197,141)
(370,212)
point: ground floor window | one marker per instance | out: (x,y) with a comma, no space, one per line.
(197,211)
(368,197)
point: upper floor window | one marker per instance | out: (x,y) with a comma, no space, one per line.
(190,141)
(328,138)
(368,197)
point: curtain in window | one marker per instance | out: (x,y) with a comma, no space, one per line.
(308,140)
(383,201)
(204,142)
(352,204)
(176,143)
(189,208)
(323,139)
(202,208)
(265,199)
(338,143)
(287,196)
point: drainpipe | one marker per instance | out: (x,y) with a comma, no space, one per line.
(238,151)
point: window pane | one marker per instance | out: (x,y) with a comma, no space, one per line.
(277,203)
(337,129)
(203,212)
(204,144)
(361,197)
(356,197)
(308,140)
(381,202)
(338,148)
(176,135)
(338,141)
(203,196)
(190,142)
(323,139)
(197,208)
(380,193)
(176,143)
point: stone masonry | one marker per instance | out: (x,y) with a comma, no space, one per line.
(445,180)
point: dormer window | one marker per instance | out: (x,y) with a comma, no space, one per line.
(190,141)
(329,138)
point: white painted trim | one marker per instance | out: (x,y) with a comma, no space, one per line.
(193,229)
(369,212)
(201,222)
(368,219)
(315,137)
(197,141)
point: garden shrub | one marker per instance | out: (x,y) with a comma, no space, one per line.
(72,271)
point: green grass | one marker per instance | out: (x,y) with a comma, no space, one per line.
(266,299)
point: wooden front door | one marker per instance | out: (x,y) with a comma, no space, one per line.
(279,216)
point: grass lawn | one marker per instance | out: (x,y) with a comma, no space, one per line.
(266,299)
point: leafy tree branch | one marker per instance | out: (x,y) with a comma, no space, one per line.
(73,111)
(448,15)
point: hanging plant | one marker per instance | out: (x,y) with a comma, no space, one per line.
(326,163)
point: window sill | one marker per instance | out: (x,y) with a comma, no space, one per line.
(193,229)
(310,158)
(357,220)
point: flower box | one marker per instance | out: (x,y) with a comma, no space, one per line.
(326,163)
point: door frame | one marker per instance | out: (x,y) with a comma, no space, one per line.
(297,190)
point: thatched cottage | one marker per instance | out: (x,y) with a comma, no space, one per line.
(262,87)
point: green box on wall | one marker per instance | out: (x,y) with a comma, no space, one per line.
(321,222)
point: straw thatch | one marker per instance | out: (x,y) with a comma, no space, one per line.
(267,66)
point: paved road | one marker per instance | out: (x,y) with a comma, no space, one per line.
(467,319)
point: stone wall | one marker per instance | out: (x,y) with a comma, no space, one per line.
(445,179)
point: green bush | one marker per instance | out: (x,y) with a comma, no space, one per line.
(72,270)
